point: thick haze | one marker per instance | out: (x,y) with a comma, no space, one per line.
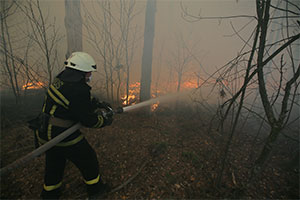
(214,45)
(212,42)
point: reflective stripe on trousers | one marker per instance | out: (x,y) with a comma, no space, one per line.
(52,187)
(81,154)
(93,181)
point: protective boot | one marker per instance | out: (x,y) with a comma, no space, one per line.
(98,190)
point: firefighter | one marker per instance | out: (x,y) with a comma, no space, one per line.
(67,102)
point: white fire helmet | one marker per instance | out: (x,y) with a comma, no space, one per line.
(81,61)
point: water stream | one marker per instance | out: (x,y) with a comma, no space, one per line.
(161,99)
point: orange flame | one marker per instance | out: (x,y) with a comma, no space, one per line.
(134,90)
(132,94)
(29,86)
(154,106)
(190,84)
(130,100)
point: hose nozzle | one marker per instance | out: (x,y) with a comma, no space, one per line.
(119,110)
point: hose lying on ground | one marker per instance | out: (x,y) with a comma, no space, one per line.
(40,150)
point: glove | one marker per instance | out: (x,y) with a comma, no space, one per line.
(108,117)
(100,104)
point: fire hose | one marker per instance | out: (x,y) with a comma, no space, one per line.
(71,130)
(50,144)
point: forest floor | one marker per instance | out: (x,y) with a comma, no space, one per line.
(170,155)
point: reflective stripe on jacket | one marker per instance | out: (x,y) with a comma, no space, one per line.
(69,101)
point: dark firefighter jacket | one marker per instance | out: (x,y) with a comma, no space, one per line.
(69,98)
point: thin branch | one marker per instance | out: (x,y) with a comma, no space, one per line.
(131,178)
(195,18)
(287,94)
(280,81)
(284,10)
(255,113)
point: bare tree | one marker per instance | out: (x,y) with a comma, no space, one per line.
(18,72)
(129,44)
(181,59)
(277,122)
(45,35)
(283,78)
(10,66)
(113,39)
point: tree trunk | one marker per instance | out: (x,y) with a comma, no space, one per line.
(264,155)
(145,90)
(73,24)
(179,82)
(118,86)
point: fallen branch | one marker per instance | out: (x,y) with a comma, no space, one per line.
(130,179)
(123,184)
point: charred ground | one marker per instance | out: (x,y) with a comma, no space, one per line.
(170,155)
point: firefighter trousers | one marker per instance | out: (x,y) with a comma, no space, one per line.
(82,155)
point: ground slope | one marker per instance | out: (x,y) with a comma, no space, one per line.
(170,156)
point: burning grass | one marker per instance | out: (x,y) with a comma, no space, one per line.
(31,85)
(134,89)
